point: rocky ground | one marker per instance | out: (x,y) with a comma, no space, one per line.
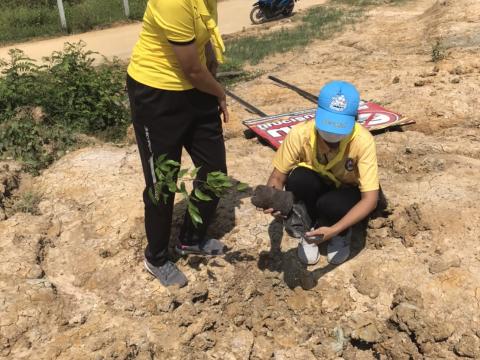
(72,284)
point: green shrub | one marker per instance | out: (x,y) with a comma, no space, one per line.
(82,97)
(19,74)
(73,96)
(34,144)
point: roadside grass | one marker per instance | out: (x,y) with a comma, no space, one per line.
(22,21)
(317,23)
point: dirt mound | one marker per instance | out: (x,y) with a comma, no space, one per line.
(71,279)
(454,23)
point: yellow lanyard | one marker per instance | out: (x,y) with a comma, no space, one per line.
(322,169)
(209,18)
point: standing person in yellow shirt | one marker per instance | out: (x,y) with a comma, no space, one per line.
(176,102)
(330,165)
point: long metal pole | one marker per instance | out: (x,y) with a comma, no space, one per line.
(126,6)
(61,10)
(299,91)
(246,104)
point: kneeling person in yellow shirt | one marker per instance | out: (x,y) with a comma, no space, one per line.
(330,165)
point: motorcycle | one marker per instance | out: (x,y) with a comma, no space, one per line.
(265,10)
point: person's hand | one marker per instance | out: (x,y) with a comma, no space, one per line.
(222,103)
(275,214)
(324,233)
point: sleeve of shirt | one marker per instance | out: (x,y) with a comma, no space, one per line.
(368,168)
(176,18)
(288,154)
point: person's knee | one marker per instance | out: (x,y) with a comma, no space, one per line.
(298,180)
(332,206)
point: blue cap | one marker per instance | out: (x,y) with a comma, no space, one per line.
(337,108)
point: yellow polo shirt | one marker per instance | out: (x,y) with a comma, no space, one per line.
(358,167)
(153,61)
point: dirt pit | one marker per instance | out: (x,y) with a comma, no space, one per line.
(72,285)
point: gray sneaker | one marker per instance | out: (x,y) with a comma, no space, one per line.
(338,248)
(308,253)
(168,274)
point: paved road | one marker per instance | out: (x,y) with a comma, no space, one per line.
(119,41)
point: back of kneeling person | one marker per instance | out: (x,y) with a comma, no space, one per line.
(330,165)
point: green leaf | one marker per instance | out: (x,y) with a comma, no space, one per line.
(242,187)
(172,187)
(194,172)
(226,183)
(170,175)
(183,188)
(152,196)
(164,167)
(159,173)
(218,175)
(193,207)
(201,195)
(194,214)
(218,193)
(160,159)
(172,163)
(212,180)
(182,173)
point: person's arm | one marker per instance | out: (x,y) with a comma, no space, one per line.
(198,75)
(365,206)
(277,179)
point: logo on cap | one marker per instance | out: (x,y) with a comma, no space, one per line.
(338,103)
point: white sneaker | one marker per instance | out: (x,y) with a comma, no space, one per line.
(338,248)
(308,253)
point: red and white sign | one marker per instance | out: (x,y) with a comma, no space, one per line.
(273,129)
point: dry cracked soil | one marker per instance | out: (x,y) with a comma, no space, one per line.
(72,285)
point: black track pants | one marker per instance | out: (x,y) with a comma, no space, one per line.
(324,201)
(164,122)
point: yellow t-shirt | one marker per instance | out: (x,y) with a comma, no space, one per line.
(358,167)
(153,61)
